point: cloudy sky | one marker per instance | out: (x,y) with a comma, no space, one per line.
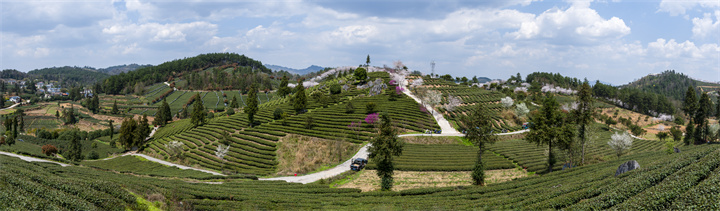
(615,41)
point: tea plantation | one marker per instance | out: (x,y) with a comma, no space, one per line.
(686,180)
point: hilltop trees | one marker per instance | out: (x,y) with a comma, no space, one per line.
(133,133)
(479,131)
(252,104)
(551,128)
(383,150)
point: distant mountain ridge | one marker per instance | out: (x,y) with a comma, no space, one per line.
(310,69)
(669,83)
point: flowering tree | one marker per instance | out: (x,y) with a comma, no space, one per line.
(174,148)
(620,143)
(392,82)
(423,109)
(371,118)
(432,97)
(507,102)
(453,102)
(221,151)
(417,82)
(399,90)
(521,110)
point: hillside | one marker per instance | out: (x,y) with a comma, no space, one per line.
(310,69)
(66,75)
(176,68)
(114,70)
(671,84)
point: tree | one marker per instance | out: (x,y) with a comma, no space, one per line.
(142,131)
(383,149)
(2,101)
(127,133)
(309,122)
(111,128)
(704,109)
(221,151)
(676,134)
(507,102)
(198,114)
(584,115)
(521,110)
(69,115)
(367,60)
(252,104)
(717,109)
(370,107)
(284,90)
(49,150)
(234,103)
(478,126)
(360,74)
(115,108)
(57,114)
(662,135)
(95,103)
(174,149)
(299,101)
(75,151)
(453,102)
(690,103)
(620,143)
(550,128)
(432,97)
(689,132)
(20,113)
(164,114)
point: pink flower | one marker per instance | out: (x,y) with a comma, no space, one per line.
(392,82)
(399,90)
(371,118)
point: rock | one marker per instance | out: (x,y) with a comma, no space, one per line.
(627,166)
(676,150)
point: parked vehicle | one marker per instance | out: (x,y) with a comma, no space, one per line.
(358,164)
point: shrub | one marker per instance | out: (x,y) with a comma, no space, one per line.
(309,122)
(278,114)
(48,149)
(93,155)
(335,89)
(349,108)
(93,145)
(370,107)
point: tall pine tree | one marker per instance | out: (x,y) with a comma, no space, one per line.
(383,151)
(550,128)
(691,103)
(198,113)
(300,99)
(478,126)
(252,104)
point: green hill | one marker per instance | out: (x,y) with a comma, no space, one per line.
(671,84)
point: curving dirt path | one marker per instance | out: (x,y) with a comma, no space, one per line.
(32,159)
(337,170)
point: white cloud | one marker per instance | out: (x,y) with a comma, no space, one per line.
(705,27)
(677,7)
(155,32)
(673,49)
(578,23)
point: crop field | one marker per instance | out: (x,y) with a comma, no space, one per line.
(138,165)
(665,181)
(470,96)
(445,157)
(534,158)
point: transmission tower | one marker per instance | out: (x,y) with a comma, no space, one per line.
(432,68)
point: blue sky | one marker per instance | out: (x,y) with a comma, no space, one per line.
(615,41)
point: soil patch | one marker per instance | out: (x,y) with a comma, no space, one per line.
(301,154)
(369,181)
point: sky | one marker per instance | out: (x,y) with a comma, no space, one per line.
(614,41)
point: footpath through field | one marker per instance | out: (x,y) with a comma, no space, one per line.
(9,107)
(31,159)
(337,170)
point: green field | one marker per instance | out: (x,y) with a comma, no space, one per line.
(138,165)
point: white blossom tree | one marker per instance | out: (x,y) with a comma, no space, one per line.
(521,110)
(174,148)
(221,151)
(453,102)
(417,82)
(507,102)
(620,143)
(432,98)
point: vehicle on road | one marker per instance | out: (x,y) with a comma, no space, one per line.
(358,164)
